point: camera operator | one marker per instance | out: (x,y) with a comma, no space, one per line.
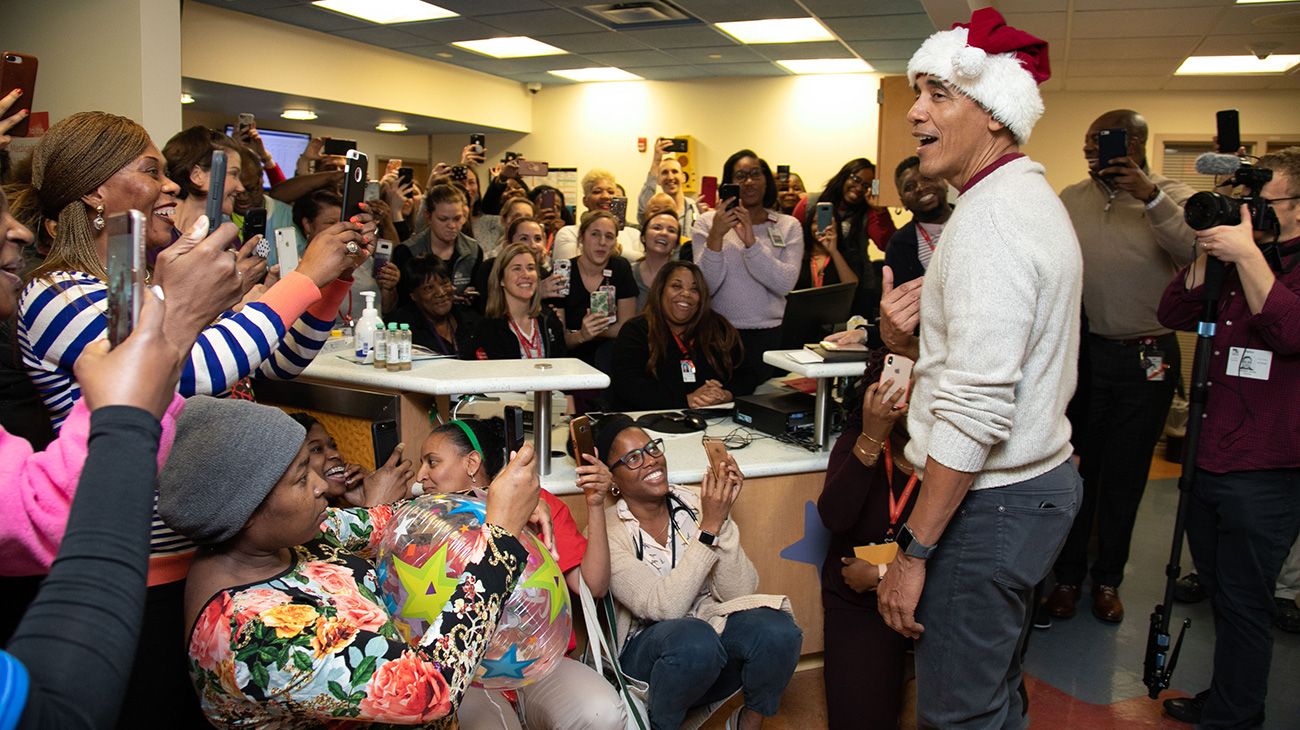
(1245,503)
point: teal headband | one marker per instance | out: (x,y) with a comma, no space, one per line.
(469,434)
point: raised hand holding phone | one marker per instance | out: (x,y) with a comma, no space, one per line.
(141,372)
(216,190)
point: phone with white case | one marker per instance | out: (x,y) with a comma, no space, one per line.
(286,249)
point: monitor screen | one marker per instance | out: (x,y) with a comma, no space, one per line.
(285,148)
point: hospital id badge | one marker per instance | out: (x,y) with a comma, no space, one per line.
(1153,364)
(688,371)
(775,237)
(877,554)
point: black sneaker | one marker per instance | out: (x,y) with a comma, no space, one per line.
(1187,589)
(1288,615)
(1042,617)
(1187,709)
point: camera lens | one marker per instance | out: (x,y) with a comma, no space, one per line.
(1207,210)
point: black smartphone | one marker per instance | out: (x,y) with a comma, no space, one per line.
(354,183)
(216,189)
(514,418)
(479,141)
(406,177)
(727,191)
(1228,122)
(618,206)
(546,200)
(782,176)
(18,71)
(254,224)
(339,146)
(507,157)
(126,270)
(384,437)
(1111,144)
(678,145)
(243,123)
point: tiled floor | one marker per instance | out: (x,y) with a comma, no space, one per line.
(1088,674)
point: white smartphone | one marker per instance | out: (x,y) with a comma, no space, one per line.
(899,370)
(562,267)
(286,249)
(126,272)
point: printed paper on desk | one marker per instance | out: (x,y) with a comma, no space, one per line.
(1248,363)
(805,356)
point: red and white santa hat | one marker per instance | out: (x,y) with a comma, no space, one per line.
(996,65)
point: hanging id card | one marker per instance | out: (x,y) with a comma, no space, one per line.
(775,236)
(1153,364)
(1245,362)
(688,371)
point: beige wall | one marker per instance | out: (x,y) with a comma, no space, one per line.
(1057,141)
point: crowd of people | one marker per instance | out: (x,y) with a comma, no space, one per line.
(179,555)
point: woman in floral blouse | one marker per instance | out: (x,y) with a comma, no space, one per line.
(288,628)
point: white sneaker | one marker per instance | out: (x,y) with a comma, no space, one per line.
(733,722)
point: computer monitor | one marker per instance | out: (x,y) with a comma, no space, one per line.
(285,148)
(811,314)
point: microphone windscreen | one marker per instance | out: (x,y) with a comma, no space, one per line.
(1214,163)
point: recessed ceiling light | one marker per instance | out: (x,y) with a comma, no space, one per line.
(390,127)
(387,11)
(510,47)
(301,115)
(597,73)
(1226,65)
(715,56)
(779,30)
(186,98)
(443,54)
(827,66)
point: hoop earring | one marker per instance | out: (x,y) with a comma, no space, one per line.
(98,221)
(615,492)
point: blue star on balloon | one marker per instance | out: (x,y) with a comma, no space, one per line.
(509,665)
(816,540)
(471,507)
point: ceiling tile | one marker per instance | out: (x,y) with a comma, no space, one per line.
(746,69)
(723,10)
(1012,9)
(1098,49)
(679,37)
(669,73)
(1085,5)
(845,8)
(1043,25)
(475,8)
(889,65)
(1114,83)
(602,42)
(882,27)
(384,37)
(314,18)
(726,54)
(450,29)
(778,51)
(1227,45)
(541,23)
(631,58)
(1118,67)
(1143,23)
(1218,83)
(886,49)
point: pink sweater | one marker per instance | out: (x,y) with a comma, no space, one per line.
(38,489)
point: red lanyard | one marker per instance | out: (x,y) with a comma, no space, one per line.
(817,267)
(925,235)
(896,506)
(531,347)
(686,351)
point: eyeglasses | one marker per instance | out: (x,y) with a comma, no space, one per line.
(1275,201)
(636,457)
(746,175)
(855,180)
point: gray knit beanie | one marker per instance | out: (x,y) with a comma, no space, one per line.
(227,456)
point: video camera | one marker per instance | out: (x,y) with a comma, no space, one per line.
(1207,210)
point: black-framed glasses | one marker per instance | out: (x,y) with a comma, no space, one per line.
(1275,201)
(636,457)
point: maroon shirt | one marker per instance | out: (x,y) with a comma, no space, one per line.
(1249,424)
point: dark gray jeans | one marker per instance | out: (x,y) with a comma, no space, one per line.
(976,605)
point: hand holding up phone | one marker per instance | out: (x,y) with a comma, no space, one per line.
(200,278)
(13,120)
(142,372)
(718,492)
(327,257)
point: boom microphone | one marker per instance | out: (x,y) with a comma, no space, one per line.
(1213,163)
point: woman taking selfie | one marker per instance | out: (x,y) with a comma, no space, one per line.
(516,326)
(679,353)
(285,587)
(600,278)
(689,622)
(462,457)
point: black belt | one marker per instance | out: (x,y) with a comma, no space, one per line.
(1136,342)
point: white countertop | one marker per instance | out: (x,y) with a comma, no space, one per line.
(451,376)
(781,359)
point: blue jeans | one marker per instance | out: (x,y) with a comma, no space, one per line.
(688,664)
(976,603)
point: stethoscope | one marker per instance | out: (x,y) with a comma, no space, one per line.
(675,505)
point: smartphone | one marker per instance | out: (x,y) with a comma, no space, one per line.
(825,216)
(393,165)
(782,176)
(286,249)
(1111,144)
(1227,121)
(678,145)
(216,189)
(899,370)
(243,124)
(562,267)
(716,450)
(338,146)
(875,188)
(405,178)
(709,190)
(354,183)
(618,206)
(255,225)
(126,270)
(546,200)
(514,418)
(534,169)
(600,303)
(384,437)
(479,141)
(383,253)
(372,190)
(18,71)
(507,157)
(727,192)
(583,439)
(459,172)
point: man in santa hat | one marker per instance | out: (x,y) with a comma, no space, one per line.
(999,343)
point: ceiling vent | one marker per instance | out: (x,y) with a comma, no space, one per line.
(645,14)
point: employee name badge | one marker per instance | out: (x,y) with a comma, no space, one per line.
(1244,362)
(1153,363)
(877,553)
(688,371)
(775,236)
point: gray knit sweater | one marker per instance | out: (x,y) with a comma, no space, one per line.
(999,333)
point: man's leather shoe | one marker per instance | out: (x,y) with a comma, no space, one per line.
(1061,601)
(1106,604)
(1187,709)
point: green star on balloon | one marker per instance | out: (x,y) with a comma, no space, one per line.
(428,588)
(549,578)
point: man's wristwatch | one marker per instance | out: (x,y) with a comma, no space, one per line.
(910,546)
(707,538)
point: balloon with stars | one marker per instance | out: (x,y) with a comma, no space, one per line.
(422,557)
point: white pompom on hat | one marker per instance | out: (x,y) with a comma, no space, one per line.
(996,65)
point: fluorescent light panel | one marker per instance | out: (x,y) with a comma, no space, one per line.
(387,11)
(1228,65)
(1263,2)
(510,47)
(826,66)
(301,115)
(597,73)
(779,30)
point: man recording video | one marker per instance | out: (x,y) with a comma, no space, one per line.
(1244,512)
